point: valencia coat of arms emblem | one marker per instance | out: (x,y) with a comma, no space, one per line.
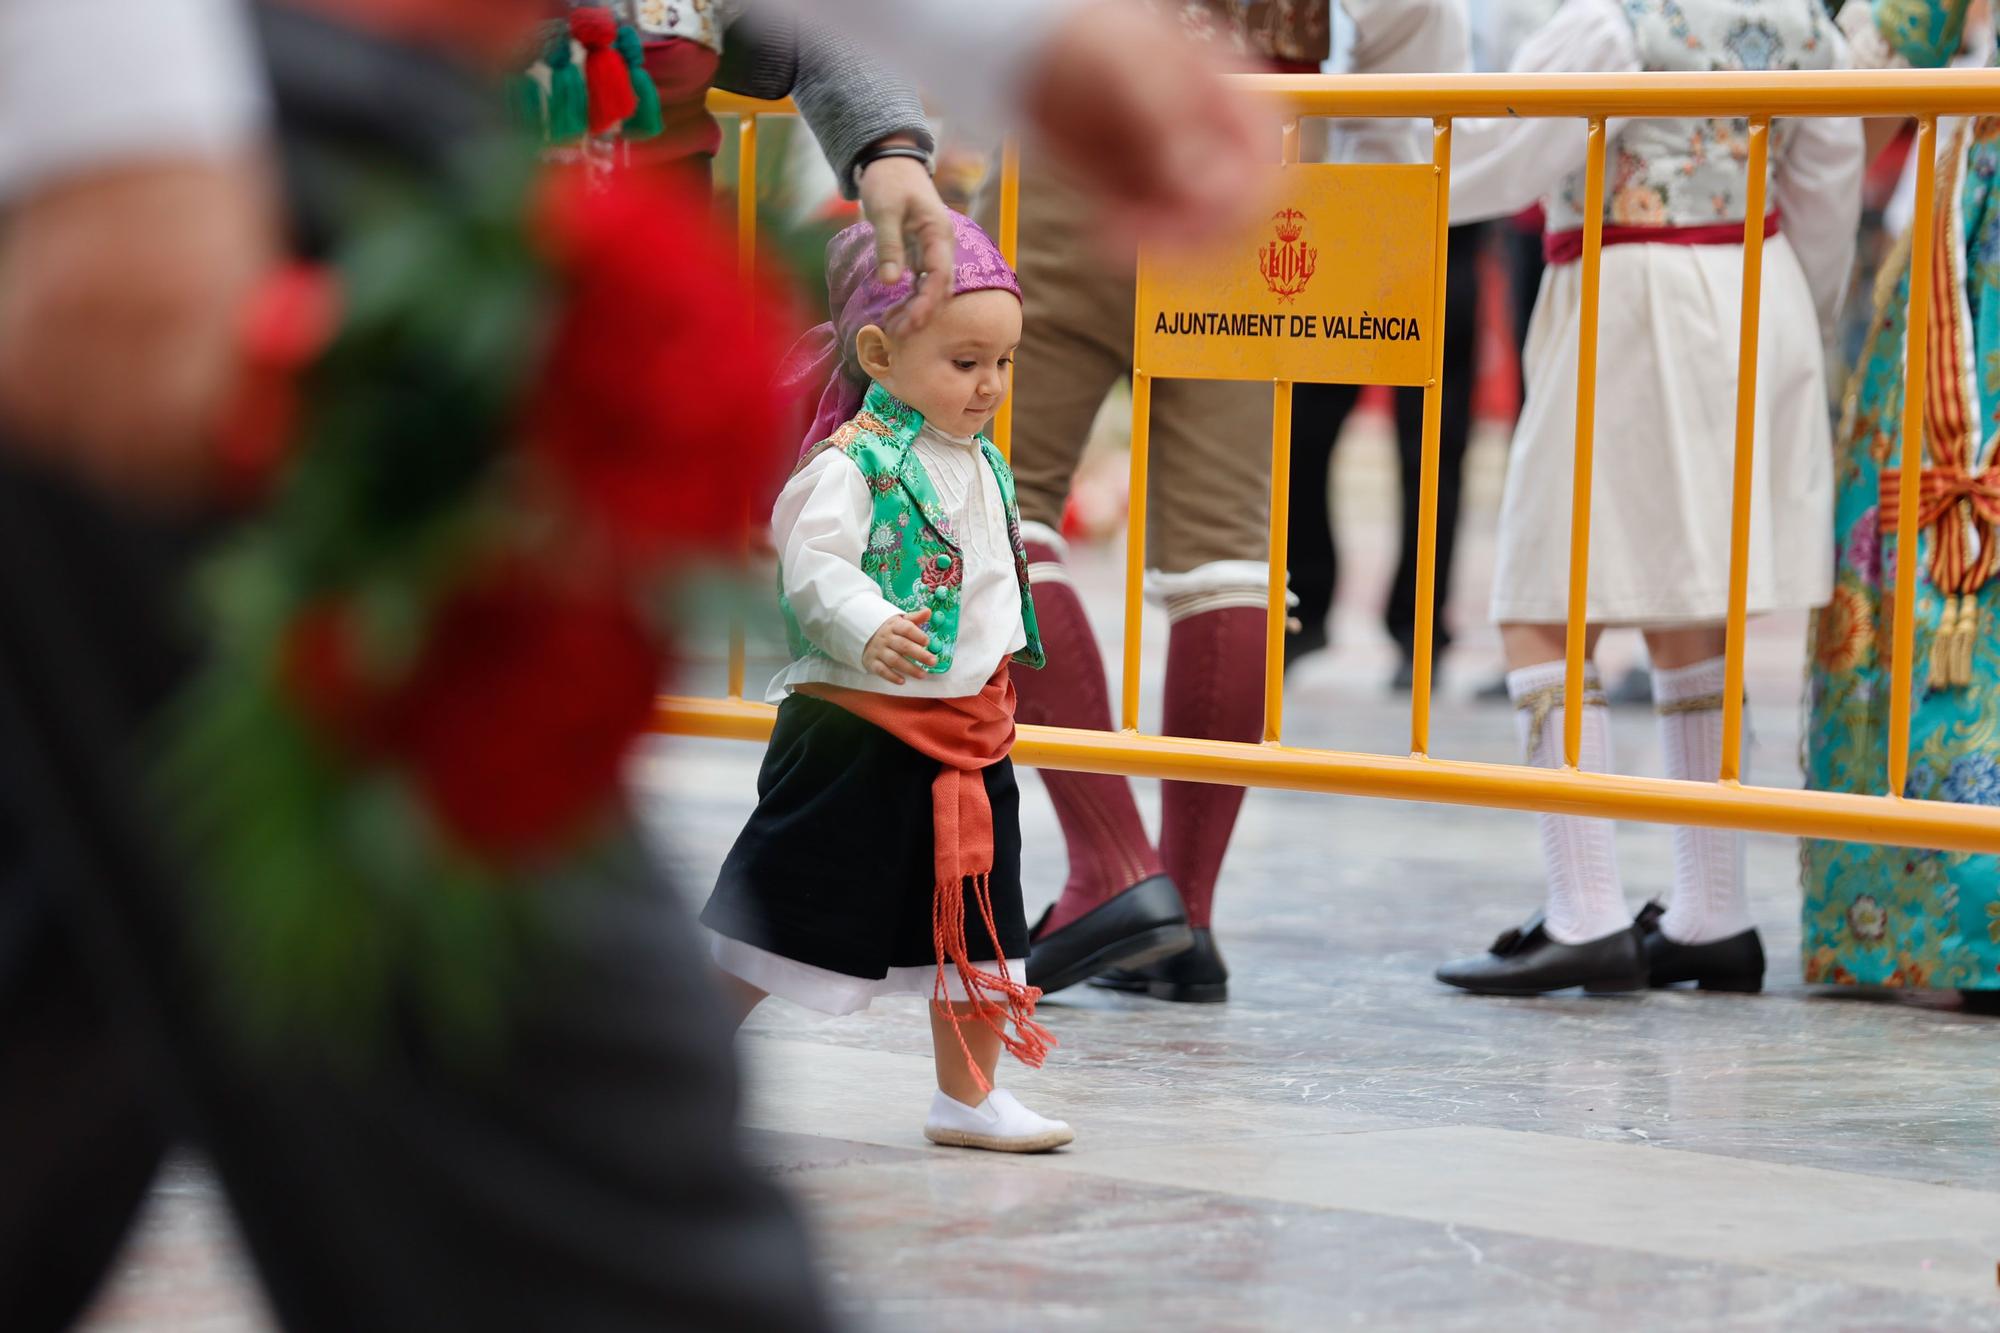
(1287,263)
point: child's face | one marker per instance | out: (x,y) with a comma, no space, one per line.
(954,369)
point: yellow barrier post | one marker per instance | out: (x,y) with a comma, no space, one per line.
(1135,547)
(1746,431)
(1427,487)
(1834,815)
(1586,430)
(1276,612)
(1010,250)
(1915,373)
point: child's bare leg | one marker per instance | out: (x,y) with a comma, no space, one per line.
(954,1076)
(961,1115)
(742,998)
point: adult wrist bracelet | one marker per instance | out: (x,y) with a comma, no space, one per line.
(870,156)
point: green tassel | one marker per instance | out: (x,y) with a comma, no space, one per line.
(524,104)
(569,96)
(645,122)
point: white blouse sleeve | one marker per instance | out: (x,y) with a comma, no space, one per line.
(89,82)
(1818,189)
(1504,164)
(820,527)
(1399,37)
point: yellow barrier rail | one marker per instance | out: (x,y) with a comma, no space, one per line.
(1727,802)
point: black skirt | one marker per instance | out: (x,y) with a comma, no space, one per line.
(836,867)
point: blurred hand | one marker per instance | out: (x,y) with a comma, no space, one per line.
(912,229)
(1141,116)
(120,296)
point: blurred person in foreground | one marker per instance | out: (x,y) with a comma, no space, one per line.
(584,1176)
(1135,913)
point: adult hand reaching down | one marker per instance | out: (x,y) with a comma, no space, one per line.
(1114,93)
(912,230)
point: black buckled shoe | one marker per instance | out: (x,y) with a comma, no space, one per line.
(1735,964)
(1195,975)
(1526,961)
(1130,929)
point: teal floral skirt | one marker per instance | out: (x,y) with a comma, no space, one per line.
(1888,916)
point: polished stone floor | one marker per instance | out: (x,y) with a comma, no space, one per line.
(1346,1143)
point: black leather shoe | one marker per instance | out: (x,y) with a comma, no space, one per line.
(1195,975)
(1138,925)
(1525,961)
(1734,964)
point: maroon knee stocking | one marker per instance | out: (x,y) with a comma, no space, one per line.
(1215,690)
(1108,847)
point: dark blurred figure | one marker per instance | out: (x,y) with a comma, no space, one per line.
(587,1179)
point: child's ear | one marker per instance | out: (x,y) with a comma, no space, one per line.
(871,350)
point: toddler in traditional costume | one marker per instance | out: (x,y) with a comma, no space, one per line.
(884,854)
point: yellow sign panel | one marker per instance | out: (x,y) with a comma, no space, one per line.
(1334,285)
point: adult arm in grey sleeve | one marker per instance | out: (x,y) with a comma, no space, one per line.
(848,100)
(1112,92)
(972,56)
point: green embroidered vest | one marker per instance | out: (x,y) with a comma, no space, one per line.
(911,551)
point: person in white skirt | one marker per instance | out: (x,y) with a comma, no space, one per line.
(1670,305)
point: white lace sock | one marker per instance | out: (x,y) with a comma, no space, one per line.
(1586,900)
(1709,901)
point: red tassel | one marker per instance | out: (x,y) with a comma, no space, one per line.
(1034,1042)
(604,71)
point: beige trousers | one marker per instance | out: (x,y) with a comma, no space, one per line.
(1209,493)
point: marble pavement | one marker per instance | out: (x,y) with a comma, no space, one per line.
(1346,1143)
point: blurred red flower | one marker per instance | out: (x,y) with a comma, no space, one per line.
(655,406)
(516,719)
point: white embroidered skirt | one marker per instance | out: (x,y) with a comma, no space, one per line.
(1668,324)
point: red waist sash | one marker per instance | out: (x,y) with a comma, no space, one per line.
(1566,247)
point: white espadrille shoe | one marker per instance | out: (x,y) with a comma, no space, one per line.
(998,1124)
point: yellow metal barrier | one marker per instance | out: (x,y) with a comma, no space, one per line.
(1889,818)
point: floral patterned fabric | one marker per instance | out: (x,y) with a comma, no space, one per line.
(1687,172)
(912,552)
(1889,916)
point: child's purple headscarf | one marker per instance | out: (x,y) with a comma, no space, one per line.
(857,299)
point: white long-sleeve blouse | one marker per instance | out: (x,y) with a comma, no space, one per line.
(820,529)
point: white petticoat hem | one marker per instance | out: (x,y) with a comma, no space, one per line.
(820,988)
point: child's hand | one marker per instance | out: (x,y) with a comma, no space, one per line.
(900,650)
